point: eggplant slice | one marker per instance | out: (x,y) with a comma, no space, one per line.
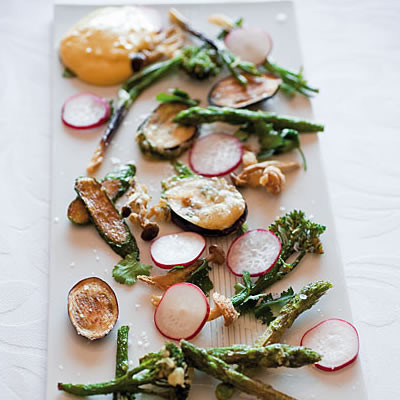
(230,93)
(159,137)
(92,308)
(209,206)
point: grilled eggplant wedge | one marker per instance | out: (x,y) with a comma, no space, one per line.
(92,308)
(116,183)
(105,216)
(161,138)
(209,206)
(230,93)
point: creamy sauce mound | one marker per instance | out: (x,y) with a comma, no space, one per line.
(97,48)
(211,203)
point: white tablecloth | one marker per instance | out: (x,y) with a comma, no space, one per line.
(351,51)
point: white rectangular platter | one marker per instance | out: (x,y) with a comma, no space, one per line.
(77,253)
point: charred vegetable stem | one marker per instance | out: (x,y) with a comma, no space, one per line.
(200,359)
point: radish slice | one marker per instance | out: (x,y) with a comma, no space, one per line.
(336,340)
(216,155)
(177,249)
(84,111)
(255,251)
(182,311)
(250,44)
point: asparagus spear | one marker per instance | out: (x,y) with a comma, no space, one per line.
(163,374)
(271,356)
(129,92)
(121,364)
(198,358)
(304,300)
(233,116)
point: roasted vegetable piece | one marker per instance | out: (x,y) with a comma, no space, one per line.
(92,308)
(233,116)
(116,183)
(304,300)
(105,217)
(159,137)
(164,374)
(77,212)
(271,356)
(199,358)
(209,206)
(230,93)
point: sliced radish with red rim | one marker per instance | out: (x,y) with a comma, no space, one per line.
(216,155)
(181,248)
(182,311)
(255,251)
(336,340)
(250,44)
(85,111)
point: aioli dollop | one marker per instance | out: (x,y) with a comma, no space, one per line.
(97,48)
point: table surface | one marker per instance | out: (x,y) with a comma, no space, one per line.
(351,52)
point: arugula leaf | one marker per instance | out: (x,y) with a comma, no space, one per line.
(269,307)
(201,279)
(177,96)
(127,270)
(271,141)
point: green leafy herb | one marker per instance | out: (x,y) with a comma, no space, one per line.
(177,96)
(67,73)
(128,269)
(269,307)
(201,278)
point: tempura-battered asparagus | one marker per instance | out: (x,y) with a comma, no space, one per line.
(198,358)
(233,116)
(304,299)
(271,356)
(121,362)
